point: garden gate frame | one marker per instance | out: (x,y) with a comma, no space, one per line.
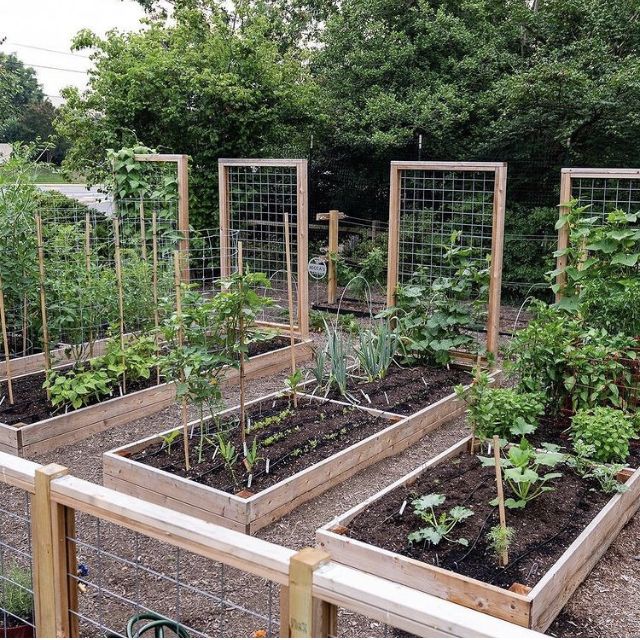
(567,176)
(224,164)
(499,169)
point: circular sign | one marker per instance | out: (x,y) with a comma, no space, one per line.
(318,267)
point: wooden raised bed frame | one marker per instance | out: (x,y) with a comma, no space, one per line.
(46,435)
(250,514)
(537,609)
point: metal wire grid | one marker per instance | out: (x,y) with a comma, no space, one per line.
(127,574)
(601,196)
(259,197)
(433,205)
(16,589)
(205,257)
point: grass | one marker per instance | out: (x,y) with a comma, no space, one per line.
(48,174)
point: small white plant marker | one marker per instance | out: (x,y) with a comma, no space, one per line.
(249,481)
(215,453)
(402,508)
(268,463)
(245,449)
(386,397)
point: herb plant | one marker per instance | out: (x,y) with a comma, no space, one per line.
(500,539)
(606,430)
(16,598)
(439,526)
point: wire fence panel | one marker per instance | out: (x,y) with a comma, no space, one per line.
(16,588)
(602,195)
(126,578)
(258,201)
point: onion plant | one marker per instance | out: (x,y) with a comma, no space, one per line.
(378,348)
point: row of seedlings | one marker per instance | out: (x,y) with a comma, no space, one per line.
(512,519)
(265,458)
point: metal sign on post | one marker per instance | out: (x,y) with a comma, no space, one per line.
(317,267)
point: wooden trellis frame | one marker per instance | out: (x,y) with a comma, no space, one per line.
(499,169)
(224,167)
(567,178)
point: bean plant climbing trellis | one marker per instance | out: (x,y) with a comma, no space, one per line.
(434,205)
(255,197)
(600,191)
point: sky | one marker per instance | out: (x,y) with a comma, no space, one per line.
(50,25)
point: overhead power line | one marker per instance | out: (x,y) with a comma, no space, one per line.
(43,66)
(64,53)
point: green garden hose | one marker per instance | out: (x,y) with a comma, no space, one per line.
(156,623)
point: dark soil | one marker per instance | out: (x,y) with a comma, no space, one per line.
(405,390)
(543,530)
(303,436)
(271,344)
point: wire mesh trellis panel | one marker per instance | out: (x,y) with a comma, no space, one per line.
(601,191)
(431,201)
(16,588)
(124,575)
(257,199)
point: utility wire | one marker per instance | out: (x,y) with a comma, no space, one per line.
(64,53)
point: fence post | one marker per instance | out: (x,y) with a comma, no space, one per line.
(54,559)
(308,617)
(334,216)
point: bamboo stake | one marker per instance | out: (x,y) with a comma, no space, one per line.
(43,304)
(154,280)
(5,343)
(116,229)
(243,417)
(143,235)
(25,307)
(87,262)
(290,296)
(504,560)
(185,421)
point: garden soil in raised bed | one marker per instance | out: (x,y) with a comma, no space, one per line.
(543,530)
(405,390)
(32,405)
(314,431)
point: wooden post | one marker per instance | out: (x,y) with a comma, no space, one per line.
(563,232)
(55,592)
(25,309)
(87,264)
(308,617)
(5,343)
(183,213)
(243,417)
(225,222)
(303,248)
(290,300)
(504,560)
(394,236)
(334,216)
(185,419)
(154,284)
(116,230)
(43,303)
(497,243)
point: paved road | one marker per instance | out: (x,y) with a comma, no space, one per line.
(90,196)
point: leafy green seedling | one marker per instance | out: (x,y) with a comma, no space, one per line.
(440,526)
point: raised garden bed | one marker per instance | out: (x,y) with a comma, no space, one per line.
(133,470)
(559,538)
(29,429)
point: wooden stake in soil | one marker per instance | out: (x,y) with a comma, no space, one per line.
(185,419)
(5,343)
(504,559)
(243,417)
(290,296)
(43,303)
(116,230)
(334,216)
(154,284)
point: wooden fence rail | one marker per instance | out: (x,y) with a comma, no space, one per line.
(312,586)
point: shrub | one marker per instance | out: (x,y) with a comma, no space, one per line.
(605,429)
